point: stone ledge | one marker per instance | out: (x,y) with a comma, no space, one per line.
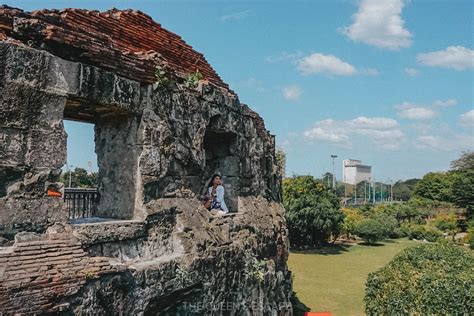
(100,230)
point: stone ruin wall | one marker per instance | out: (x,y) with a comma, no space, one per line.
(156,146)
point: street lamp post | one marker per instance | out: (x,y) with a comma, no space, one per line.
(70,173)
(391,191)
(333,173)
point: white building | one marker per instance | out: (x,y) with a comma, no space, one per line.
(353,171)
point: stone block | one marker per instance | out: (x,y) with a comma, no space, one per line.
(46,149)
(12,146)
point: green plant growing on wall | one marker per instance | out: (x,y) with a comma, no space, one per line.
(254,268)
(161,76)
(193,78)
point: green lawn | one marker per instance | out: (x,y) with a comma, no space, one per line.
(333,278)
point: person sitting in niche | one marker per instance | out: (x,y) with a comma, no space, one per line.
(214,200)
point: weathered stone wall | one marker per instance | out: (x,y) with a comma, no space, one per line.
(158,249)
(179,261)
(149,143)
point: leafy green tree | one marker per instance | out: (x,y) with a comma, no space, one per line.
(80,178)
(436,186)
(463,190)
(428,279)
(370,230)
(351,219)
(313,212)
(403,190)
(389,224)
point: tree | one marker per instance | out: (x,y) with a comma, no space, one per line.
(80,178)
(389,224)
(403,190)
(370,230)
(436,186)
(351,219)
(313,212)
(464,163)
(463,191)
(428,279)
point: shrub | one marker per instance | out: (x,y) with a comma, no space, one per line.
(446,223)
(417,232)
(352,218)
(432,235)
(404,230)
(313,212)
(470,239)
(370,230)
(428,279)
(389,224)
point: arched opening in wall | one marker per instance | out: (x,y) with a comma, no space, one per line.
(222,158)
(109,191)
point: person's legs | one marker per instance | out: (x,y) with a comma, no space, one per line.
(217,212)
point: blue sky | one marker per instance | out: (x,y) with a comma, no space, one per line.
(387,82)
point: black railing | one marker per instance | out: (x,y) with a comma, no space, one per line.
(81,202)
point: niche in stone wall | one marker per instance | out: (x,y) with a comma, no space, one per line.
(222,157)
(115,133)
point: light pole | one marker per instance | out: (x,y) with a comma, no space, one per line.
(391,191)
(69,170)
(374,191)
(365,191)
(333,173)
(381,191)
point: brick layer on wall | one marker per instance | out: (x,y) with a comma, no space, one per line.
(35,273)
(127,42)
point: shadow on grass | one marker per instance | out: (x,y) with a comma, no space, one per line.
(299,308)
(324,250)
(372,244)
(379,243)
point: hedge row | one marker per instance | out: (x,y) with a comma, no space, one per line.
(434,279)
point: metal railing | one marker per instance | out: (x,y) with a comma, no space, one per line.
(81,202)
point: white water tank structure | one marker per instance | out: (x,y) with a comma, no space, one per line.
(353,171)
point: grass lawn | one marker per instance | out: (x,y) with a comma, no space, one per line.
(333,278)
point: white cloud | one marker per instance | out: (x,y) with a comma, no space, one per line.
(317,63)
(447,142)
(445,103)
(369,71)
(380,123)
(414,111)
(237,16)
(417,113)
(467,119)
(453,57)
(429,141)
(292,93)
(379,23)
(332,136)
(283,56)
(412,72)
(383,132)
